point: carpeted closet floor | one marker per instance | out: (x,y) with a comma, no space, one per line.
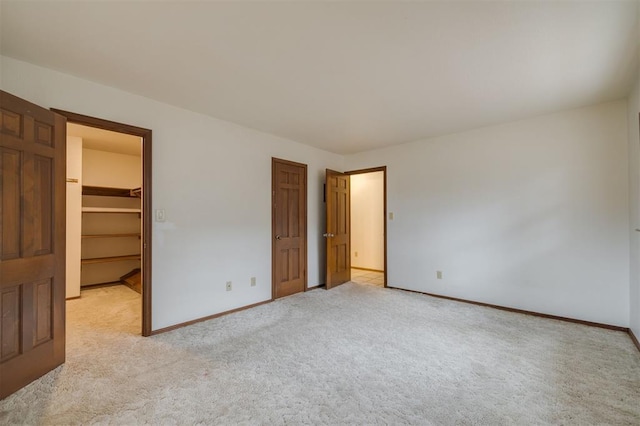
(354,355)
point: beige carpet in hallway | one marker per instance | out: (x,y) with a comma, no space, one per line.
(353,355)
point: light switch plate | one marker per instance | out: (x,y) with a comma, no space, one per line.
(160,215)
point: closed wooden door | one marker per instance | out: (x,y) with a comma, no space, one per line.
(32,242)
(338,228)
(289,227)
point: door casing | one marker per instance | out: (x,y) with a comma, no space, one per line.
(147,214)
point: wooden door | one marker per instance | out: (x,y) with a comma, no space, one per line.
(32,242)
(338,228)
(289,227)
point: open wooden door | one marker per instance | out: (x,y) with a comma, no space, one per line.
(338,228)
(32,242)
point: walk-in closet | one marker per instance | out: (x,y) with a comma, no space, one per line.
(104,220)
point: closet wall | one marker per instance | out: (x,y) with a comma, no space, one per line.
(102,168)
(113,170)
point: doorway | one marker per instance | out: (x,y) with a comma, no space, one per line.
(369,219)
(369,226)
(116,206)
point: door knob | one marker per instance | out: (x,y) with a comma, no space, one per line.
(278,237)
(327,235)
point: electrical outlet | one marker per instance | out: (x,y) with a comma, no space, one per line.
(390,215)
(228,285)
(356,254)
(253,281)
(439,275)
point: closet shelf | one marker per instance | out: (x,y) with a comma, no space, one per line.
(109,259)
(111,235)
(105,191)
(109,210)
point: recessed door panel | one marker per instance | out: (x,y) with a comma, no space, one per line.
(43,311)
(11,322)
(10,205)
(42,205)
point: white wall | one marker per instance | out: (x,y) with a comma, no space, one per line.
(531,214)
(214,180)
(367,220)
(634,206)
(102,168)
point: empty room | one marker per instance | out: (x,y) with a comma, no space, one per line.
(343,212)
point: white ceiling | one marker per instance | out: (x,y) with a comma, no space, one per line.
(106,140)
(342,76)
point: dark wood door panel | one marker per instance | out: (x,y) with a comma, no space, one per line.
(32,235)
(43,133)
(10,301)
(10,205)
(42,205)
(15,112)
(289,227)
(10,123)
(27,317)
(338,226)
(42,311)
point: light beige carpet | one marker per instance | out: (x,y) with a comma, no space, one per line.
(352,355)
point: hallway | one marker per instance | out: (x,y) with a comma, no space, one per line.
(361,276)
